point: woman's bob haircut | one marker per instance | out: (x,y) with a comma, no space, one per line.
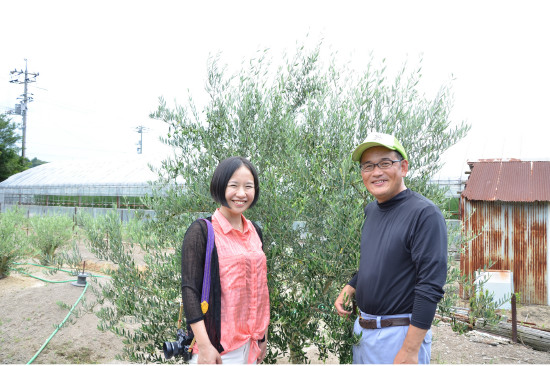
(223,173)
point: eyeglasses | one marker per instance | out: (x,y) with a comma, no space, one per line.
(384,164)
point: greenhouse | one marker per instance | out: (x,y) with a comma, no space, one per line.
(70,186)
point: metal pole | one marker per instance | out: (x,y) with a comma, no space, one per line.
(26,99)
(24,112)
(140,129)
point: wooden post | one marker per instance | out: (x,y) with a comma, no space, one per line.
(514,320)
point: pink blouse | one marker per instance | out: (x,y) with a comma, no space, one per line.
(243,279)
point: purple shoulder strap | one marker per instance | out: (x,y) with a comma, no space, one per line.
(205,296)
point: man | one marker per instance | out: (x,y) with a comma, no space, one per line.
(403,265)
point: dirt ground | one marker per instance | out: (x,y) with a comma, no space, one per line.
(30,311)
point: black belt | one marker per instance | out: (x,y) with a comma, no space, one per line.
(391,322)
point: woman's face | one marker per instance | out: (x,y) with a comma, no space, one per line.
(239,192)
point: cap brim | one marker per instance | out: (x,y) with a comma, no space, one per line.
(359,150)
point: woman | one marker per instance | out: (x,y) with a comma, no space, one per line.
(234,329)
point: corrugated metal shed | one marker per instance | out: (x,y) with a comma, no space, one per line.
(509,181)
(506,204)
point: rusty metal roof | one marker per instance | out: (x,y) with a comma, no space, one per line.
(508,181)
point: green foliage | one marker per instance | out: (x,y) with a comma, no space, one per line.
(13,241)
(134,303)
(452,206)
(483,307)
(517,295)
(446,307)
(48,234)
(104,233)
(70,257)
(36,162)
(297,124)
(10,161)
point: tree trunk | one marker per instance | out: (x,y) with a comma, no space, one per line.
(535,338)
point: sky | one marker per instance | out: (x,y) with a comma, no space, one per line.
(103,65)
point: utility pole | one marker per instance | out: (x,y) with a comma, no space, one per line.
(140,130)
(15,75)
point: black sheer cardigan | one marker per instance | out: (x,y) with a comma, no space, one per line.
(193,254)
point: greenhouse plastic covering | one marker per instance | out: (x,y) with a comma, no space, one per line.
(116,177)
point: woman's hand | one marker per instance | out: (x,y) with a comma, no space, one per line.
(209,354)
(263,350)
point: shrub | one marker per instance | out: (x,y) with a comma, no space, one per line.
(48,234)
(13,241)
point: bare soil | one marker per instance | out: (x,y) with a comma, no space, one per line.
(30,310)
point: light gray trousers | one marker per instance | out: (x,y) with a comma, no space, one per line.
(380,346)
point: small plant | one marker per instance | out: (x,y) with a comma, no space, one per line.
(69,257)
(483,307)
(518,299)
(13,243)
(48,234)
(104,236)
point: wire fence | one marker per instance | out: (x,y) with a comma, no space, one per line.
(125,214)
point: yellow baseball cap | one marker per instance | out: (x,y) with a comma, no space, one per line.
(378,139)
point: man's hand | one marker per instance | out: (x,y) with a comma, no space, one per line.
(406,357)
(411,346)
(344,300)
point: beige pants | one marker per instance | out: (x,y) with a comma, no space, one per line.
(240,355)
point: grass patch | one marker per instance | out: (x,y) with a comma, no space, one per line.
(81,356)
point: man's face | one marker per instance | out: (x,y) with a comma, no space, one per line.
(384,184)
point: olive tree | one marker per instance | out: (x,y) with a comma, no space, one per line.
(297,123)
(49,235)
(13,241)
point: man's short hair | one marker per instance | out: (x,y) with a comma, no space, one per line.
(223,173)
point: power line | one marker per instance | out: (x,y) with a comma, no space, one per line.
(21,108)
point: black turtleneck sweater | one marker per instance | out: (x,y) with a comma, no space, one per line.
(403,264)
